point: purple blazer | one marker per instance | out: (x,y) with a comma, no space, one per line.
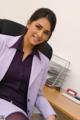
(37,78)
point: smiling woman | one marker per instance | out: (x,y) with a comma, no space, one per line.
(38,32)
(26,82)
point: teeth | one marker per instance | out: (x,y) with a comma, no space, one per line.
(36,37)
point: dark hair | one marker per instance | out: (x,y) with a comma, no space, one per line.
(45,12)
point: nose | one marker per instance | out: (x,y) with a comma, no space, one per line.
(40,33)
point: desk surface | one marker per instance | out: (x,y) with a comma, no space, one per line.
(62,103)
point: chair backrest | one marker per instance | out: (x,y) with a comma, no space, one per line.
(13,28)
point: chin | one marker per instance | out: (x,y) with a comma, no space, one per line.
(34,43)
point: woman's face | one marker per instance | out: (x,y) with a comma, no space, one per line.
(38,31)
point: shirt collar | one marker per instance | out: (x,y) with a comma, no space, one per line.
(18,46)
(36,52)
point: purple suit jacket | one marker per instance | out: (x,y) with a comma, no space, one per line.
(37,78)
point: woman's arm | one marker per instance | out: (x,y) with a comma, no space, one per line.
(41,102)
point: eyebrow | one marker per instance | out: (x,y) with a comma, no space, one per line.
(43,27)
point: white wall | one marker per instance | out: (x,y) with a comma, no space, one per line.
(66,38)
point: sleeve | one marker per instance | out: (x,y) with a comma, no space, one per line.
(42,103)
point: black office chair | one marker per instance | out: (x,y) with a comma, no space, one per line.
(13,28)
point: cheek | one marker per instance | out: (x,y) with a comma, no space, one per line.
(45,38)
(31,30)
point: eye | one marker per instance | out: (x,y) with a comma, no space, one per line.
(47,33)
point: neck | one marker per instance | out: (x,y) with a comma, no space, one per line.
(27,47)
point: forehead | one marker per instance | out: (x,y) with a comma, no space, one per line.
(44,22)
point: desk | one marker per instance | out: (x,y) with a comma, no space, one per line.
(62,104)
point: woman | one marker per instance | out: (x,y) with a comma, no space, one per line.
(23,69)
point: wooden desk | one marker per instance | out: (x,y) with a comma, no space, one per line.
(62,104)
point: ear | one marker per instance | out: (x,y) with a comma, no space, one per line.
(28,24)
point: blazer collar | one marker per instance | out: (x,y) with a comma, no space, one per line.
(37,66)
(12,40)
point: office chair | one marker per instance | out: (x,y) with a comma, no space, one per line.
(13,28)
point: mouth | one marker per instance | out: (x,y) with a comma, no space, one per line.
(36,38)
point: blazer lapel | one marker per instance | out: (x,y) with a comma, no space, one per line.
(37,66)
(8,55)
(5,62)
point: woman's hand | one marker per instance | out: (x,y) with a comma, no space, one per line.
(51,117)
